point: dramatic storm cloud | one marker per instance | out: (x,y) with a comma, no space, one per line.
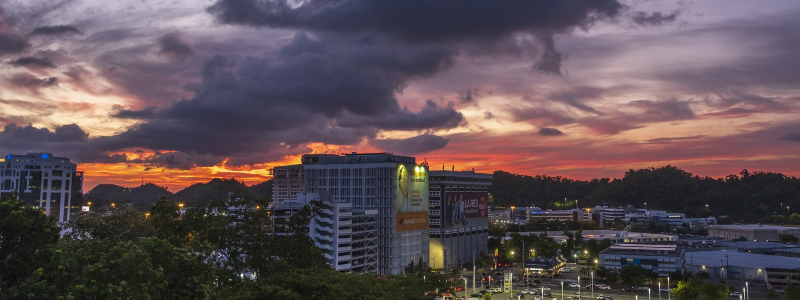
(421,22)
(180,92)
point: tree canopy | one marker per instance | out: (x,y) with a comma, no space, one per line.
(222,251)
(745,197)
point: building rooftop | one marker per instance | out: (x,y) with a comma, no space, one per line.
(789,250)
(355,158)
(753,227)
(741,259)
(645,249)
(745,245)
(601,234)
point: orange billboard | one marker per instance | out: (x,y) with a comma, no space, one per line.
(415,220)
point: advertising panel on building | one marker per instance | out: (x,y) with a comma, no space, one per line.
(412,197)
(465,209)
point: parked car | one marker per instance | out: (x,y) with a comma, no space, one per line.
(605,297)
(545,288)
(497,290)
(576,296)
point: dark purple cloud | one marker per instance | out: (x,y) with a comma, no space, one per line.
(412,146)
(549,131)
(30,61)
(642,18)
(33,82)
(341,95)
(56,30)
(11,43)
(792,136)
(426,22)
(173,46)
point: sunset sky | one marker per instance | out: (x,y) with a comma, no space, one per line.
(179,92)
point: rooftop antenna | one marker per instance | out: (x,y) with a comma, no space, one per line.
(454,167)
(142,180)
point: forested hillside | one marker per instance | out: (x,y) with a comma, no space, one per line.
(200,194)
(745,197)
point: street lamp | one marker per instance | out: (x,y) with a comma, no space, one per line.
(465,287)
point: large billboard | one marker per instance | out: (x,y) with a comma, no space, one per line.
(461,208)
(411,197)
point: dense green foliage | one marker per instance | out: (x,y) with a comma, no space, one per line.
(222,251)
(696,288)
(24,233)
(788,238)
(636,275)
(747,197)
(791,292)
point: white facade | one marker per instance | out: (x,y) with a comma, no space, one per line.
(287,182)
(662,259)
(368,183)
(52,183)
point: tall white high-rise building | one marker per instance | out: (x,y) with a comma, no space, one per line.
(394,186)
(52,183)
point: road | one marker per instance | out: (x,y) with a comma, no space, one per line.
(616,292)
(555,289)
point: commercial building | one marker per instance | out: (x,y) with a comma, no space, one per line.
(459,218)
(498,215)
(616,237)
(742,265)
(663,259)
(751,232)
(608,216)
(52,183)
(394,186)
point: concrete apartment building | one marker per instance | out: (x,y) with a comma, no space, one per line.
(751,232)
(348,239)
(644,217)
(52,183)
(660,258)
(287,182)
(614,236)
(390,188)
(459,217)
